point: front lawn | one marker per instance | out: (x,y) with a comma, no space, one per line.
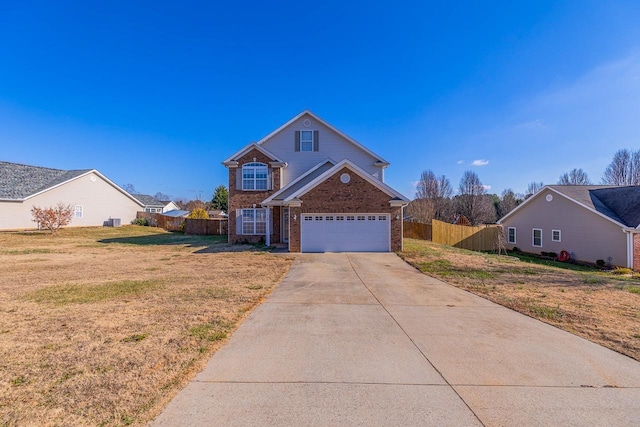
(102,326)
(599,306)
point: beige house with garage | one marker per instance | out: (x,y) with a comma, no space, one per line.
(96,200)
(310,186)
(591,222)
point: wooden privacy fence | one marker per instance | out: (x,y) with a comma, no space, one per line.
(480,238)
(211,226)
(169,223)
(416,230)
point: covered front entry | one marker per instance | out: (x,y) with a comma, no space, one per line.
(345,232)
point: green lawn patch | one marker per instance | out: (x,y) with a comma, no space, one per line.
(89,293)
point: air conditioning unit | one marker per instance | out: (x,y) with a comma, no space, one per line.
(113,222)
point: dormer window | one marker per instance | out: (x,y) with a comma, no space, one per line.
(306,140)
(254,176)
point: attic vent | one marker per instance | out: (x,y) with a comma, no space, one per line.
(549,197)
(306,123)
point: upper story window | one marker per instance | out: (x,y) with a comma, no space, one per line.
(254,176)
(307,140)
(77,211)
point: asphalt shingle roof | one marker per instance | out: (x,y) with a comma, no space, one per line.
(149,200)
(20,181)
(622,204)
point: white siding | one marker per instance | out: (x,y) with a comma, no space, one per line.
(589,236)
(331,146)
(99,200)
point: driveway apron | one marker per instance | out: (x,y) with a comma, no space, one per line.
(365,339)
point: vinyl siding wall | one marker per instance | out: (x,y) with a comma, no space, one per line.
(586,234)
(331,146)
(99,199)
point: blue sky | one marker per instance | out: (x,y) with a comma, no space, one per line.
(157,94)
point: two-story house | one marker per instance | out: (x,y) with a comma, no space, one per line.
(311,186)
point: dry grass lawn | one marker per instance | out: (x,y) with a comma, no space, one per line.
(102,326)
(599,306)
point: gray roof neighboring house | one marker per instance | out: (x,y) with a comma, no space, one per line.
(149,201)
(18,182)
(618,203)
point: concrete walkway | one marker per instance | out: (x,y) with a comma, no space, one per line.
(364,339)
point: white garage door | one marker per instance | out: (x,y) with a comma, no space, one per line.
(345,233)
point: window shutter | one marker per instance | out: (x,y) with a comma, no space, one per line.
(270,179)
(297,140)
(316,144)
(239,221)
(238,178)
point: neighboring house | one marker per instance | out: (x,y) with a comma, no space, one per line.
(591,222)
(153,205)
(311,186)
(94,198)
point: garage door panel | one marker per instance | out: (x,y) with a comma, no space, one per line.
(345,233)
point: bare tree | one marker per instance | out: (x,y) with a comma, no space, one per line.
(129,188)
(433,198)
(575,177)
(472,200)
(533,188)
(624,169)
(161,196)
(508,202)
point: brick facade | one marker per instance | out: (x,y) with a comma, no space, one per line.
(239,199)
(356,196)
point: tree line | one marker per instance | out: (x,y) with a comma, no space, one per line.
(435,200)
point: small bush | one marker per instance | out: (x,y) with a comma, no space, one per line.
(600,263)
(140,221)
(199,213)
(621,270)
(549,254)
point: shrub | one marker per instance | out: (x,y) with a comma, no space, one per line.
(140,221)
(600,263)
(621,270)
(199,213)
(52,218)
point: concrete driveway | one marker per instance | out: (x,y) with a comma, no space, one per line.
(364,339)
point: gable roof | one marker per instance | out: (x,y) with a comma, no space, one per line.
(343,135)
(20,182)
(149,200)
(300,182)
(395,196)
(617,204)
(248,148)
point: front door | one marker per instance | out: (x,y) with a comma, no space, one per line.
(285,225)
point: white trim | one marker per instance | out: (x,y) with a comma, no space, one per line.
(255,166)
(311,131)
(304,175)
(630,250)
(515,235)
(559,239)
(229,162)
(349,139)
(533,238)
(94,171)
(539,193)
(357,170)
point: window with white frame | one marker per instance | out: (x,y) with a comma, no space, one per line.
(511,235)
(556,235)
(306,140)
(77,211)
(254,221)
(254,176)
(537,237)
